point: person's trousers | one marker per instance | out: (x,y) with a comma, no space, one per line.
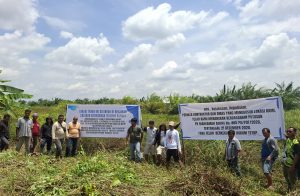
(35,140)
(45,141)
(71,147)
(233,164)
(3,143)
(290,178)
(22,140)
(58,144)
(135,151)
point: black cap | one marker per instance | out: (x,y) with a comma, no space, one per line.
(133,120)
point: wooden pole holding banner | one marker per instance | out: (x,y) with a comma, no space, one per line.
(182,142)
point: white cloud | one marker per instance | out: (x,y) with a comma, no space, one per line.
(272,52)
(138,58)
(115,75)
(58,23)
(159,23)
(220,16)
(14,50)
(18,14)
(259,10)
(272,27)
(84,51)
(77,86)
(171,41)
(19,42)
(171,71)
(66,35)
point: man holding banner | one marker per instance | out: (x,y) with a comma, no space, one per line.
(135,137)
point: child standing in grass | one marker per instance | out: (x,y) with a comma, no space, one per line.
(232,150)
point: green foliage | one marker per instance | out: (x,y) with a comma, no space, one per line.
(154,104)
(247,91)
(9,96)
(290,95)
(107,171)
(128,100)
(172,102)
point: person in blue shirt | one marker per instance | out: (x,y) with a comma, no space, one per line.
(269,153)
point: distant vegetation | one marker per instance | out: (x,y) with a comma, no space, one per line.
(155,104)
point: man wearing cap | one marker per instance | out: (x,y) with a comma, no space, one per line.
(172,144)
(23,132)
(135,137)
(35,132)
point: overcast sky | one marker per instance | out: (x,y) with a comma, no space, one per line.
(112,48)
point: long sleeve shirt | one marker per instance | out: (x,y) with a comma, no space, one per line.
(172,140)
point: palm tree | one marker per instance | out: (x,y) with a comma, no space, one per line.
(9,96)
(290,95)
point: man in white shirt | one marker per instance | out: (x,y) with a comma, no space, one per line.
(149,148)
(59,134)
(23,132)
(232,150)
(172,144)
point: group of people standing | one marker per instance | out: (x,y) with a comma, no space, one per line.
(269,155)
(30,133)
(161,144)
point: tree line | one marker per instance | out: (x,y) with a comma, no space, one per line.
(156,104)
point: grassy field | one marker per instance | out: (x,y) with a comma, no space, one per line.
(102,168)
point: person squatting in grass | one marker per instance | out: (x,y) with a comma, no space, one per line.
(149,148)
(291,158)
(232,150)
(172,145)
(159,143)
(23,132)
(73,135)
(134,137)
(46,135)
(59,134)
(35,132)
(4,132)
(269,153)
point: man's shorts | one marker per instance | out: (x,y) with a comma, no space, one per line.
(267,166)
(149,149)
(160,150)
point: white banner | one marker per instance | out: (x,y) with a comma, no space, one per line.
(108,121)
(211,121)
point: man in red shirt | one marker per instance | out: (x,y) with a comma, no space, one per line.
(35,132)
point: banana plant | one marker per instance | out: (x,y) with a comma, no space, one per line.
(9,96)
